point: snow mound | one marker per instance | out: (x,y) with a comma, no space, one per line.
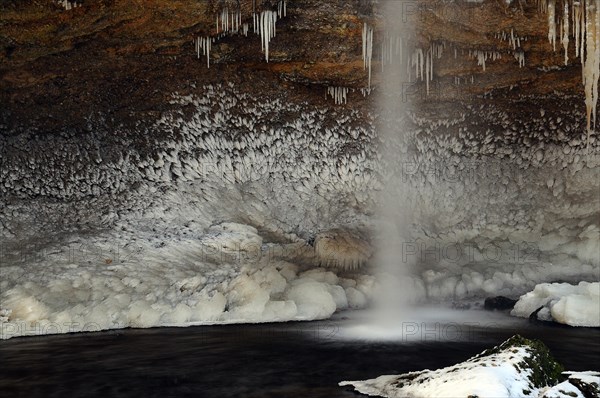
(575,305)
(516,368)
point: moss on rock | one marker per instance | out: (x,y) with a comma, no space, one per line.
(545,371)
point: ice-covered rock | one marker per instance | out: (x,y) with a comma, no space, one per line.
(575,305)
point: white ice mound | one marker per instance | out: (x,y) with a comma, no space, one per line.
(575,305)
(222,277)
(517,368)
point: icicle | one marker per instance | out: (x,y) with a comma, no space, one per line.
(582,40)
(565,34)
(367,42)
(369,52)
(520,57)
(364,45)
(266,26)
(204,44)
(365,91)
(339,94)
(421,62)
(512,39)
(577,20)
(552,23)
(427,62)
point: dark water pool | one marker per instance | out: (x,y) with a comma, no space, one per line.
(269,360)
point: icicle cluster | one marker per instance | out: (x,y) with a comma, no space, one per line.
(365,91)
(591,64)
(551,9)
(367,49)
(339,94)
(228,22)
(581,20)
(68,5)
(465,80)
(512,37)
(422,61)
(392,49)
(483,56)
(265,24)
(204,44)
(282,9)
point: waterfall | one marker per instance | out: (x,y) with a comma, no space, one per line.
(393,102)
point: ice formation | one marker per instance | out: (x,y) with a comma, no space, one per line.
(224,189)
(591,65)
(520,57)
(367,49)
(585,28)
(575,305)
(204,44)
(339,94)
(366,91)
(483,56)
(266,23)
(68,5)
(228,22)
(282,9)
(551,12)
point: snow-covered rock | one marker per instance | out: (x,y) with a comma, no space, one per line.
(578,385)
(516,368)
(575,305)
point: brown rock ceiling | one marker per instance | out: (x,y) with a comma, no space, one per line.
(124,58)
